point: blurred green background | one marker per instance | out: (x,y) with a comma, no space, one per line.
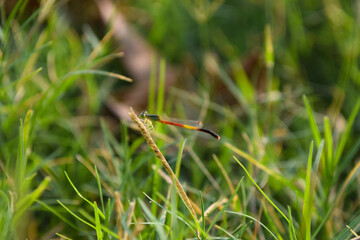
(70,70)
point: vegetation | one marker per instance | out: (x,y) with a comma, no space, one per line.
(277,80)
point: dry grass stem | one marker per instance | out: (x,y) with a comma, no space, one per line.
(119,210)
(163,161)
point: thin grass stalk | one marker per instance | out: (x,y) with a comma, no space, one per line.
(163,161)
(119,210)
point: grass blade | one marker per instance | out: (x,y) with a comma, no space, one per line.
(346,135)
(328,164)
(99,233)
(346,233)
(226,205)
(313,125)
(100,189)
(262,192)
(308,197)
(30,198)
(254,219)
(158,226)
(81,196)
(76,216)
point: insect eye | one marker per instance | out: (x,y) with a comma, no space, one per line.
(142,115)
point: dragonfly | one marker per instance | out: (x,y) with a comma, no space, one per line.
(188,124)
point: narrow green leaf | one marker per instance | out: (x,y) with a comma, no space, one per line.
(308,200)
(100,188)
(76,216)
(324,220)
(318,155)
(30,198)
(255,220)
(328,164)
(107,218)
(21,161)
(269,50)
(178,214)
(63,236)
(225,207)
(58,214)
(262,192)
(99,233)
(158,226)
(202,211)
(81,196)
(90,218)
(96,72)
(313,125)
(292,234)
(179,157)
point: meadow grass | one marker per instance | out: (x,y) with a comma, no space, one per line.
(286,166)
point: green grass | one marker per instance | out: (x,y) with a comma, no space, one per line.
(286,166)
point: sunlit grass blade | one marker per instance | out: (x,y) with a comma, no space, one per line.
(268,47)
(99,233)
(262,192)
(313,125)
(63,236)
(308,197)
(91,219)
(96,72)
